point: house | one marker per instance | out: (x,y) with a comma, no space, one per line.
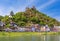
(8,30)
(1,25)
(13,26)
(42,29)
(32,28)
(45,28)
(56,29)
(21,29)
(35,28)
(28,29)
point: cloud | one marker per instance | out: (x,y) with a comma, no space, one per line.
(57,18)
(46,4)
(21,7)
(2,10)
(5,10)
(29,3)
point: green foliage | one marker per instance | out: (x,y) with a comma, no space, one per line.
(35,19)
(1,17)
(21,23)
(6,19)
(7,25)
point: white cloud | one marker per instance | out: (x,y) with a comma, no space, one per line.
(5,11)
(1,10)
(57,18)
(46,4)
(30,1)
(21,7)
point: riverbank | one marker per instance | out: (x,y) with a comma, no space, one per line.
(13,34)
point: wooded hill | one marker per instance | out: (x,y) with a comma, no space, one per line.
(29,16)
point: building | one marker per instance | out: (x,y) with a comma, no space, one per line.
(45,28)
(1,26)
(56,29)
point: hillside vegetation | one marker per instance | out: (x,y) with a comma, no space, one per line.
(29,16)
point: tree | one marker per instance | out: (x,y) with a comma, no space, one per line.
(6,20)
(1,17)
(35,19)
(21,23)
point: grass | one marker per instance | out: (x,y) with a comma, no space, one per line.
(13,34)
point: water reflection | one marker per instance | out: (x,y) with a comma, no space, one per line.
(32,38)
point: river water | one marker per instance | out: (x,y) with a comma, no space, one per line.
(32,38)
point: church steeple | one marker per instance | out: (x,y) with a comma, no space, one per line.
(11,13)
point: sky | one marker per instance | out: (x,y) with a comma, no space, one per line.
(49,7)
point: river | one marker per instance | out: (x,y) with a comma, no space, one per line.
(32,38)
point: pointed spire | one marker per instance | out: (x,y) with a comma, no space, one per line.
(11,13)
